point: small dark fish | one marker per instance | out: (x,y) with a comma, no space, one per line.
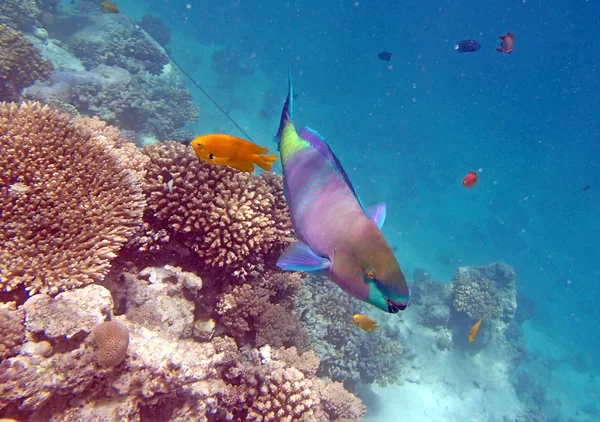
(467,46)
(295,95)
(385,56)
(167,178)
(585,188)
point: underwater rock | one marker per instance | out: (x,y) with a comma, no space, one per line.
(68,314)
(435,316)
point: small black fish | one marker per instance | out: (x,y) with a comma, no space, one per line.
(586,187)
(467,46)
(167,178)
(385,56)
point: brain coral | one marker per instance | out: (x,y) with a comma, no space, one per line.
(68,198)
(234,221)
(112,339)
(20,63)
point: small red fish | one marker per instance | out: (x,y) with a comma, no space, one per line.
(507,44)
(470,180)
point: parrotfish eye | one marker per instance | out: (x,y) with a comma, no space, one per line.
(370,274)
(211,156)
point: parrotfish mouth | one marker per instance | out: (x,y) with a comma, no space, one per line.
(395,307)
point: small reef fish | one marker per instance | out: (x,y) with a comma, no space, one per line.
(507,44)
(470,180)
(475,329)
(336,234)
(467,46)
(585,188)
(109,6)
(227,150)
(167,179)
(364,322)
(385,56)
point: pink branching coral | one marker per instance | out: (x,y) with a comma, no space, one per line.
(262,312)
(234,221)
(68,198)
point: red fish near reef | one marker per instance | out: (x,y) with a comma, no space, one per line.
(470,180)
(507,44)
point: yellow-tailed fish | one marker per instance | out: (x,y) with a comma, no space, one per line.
(227,150)
(336,234)
(475,329)
(364,322)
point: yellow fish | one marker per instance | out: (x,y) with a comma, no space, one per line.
(110,7)
(475,328)
(226,150)
(365,322)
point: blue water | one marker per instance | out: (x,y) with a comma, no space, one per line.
(408,131)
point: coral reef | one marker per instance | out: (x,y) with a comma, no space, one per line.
(347,353)
(156,28)
(235,222)
(20,63)
(112,339)
(69,201)
(12,329)
(489,289)
(162,377)
(19,13)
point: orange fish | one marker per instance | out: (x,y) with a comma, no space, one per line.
(110,7)
(365,322)
(507,44)
(470,180)
(475,328)
(226,150)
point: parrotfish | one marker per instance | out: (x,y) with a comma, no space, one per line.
(336,234)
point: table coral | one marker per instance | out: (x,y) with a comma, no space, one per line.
(236,222)
(69,201)
(20,63)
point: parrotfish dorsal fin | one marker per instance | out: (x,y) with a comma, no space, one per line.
(377,213)
(286,112)
(299,257)
(320,144)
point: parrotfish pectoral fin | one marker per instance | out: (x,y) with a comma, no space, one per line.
(377,213)
(299,257)
(286,112)
(319,143)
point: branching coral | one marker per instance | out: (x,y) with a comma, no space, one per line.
(156,28)
(260,313)
(347,353)
(12,329)
(235,222)
(20,12)
(20,63)
(68,198)
(489,289)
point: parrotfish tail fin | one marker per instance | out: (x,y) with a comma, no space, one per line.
(286,113)
(265,162)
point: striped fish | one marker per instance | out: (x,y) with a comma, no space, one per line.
(336,233)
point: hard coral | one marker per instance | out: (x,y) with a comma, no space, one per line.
(235,222)
(112,339)
(69,201)
(156,28)
(489,289)
(20,63)
(12,330)
(20,13)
